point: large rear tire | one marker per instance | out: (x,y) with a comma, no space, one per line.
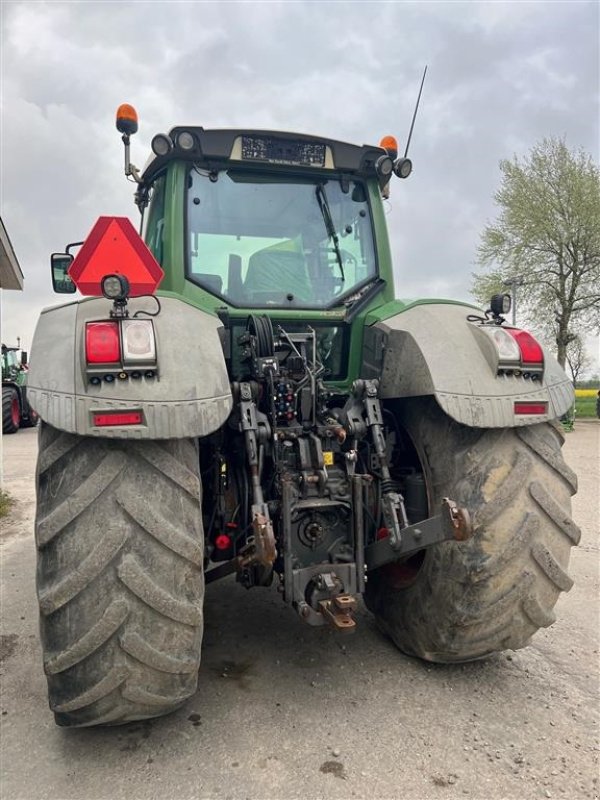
(120,575)
(468,600)
(11,410)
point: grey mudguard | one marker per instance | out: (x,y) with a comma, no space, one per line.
(190,397)
(433,350)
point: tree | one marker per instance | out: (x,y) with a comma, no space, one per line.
(577,359)
(547,233)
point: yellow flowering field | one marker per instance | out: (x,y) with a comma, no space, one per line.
(585,402)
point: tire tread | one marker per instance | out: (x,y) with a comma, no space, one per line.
(496,590)
(120,575)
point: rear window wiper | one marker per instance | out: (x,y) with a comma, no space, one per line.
(329,226)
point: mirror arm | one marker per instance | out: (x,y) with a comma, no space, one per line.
(72,244)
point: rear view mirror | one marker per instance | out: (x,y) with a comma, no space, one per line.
(61,282)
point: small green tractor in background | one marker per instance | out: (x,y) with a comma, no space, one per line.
(274,412)
(16,411)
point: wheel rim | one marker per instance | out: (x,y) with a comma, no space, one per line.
(15,413)
(403,574)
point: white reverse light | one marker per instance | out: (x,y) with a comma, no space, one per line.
(507,347)
(139,345)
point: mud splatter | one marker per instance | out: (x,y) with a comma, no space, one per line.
(238,672)
(334,768)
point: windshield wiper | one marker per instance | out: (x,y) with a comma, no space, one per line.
(329,226)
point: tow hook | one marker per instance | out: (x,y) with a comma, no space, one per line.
(338,612)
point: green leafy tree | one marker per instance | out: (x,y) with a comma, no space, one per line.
(577,359)
(548,234)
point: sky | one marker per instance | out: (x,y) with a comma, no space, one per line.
(501,76)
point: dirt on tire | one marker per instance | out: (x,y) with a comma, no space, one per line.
(120,575)
(496,590)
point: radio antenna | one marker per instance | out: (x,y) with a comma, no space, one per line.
(412,124)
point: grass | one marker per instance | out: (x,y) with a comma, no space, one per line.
(6,502)
(585,407)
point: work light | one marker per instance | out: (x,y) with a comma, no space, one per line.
(115,287)
(403,167)
(185,140)
(161,144)
(384,166)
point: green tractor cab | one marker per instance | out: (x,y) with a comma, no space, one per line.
(16,411)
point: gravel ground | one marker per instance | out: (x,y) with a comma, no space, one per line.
(284,711)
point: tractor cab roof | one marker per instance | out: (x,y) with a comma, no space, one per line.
(259,150)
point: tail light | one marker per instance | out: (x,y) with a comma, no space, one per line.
(102,343)
(531,353)
(119,350)
(516,351)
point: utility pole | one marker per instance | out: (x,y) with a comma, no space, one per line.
(513,282)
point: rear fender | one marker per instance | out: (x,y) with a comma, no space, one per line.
(191,396)
(434,350)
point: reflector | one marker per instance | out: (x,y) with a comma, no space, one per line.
(529,407)
(113,246)
(117,418)
(223,542)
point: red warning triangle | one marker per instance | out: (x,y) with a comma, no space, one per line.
(114,247)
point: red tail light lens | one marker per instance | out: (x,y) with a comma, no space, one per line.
(102,345)
(530,408)
(531,352)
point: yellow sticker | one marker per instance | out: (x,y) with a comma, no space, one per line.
(328,458)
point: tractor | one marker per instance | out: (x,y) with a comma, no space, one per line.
(16,411)
(240,392)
